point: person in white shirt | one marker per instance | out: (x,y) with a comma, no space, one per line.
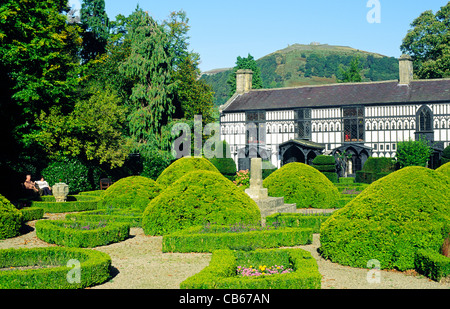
(44,186)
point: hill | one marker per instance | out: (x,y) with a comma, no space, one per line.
(313,64)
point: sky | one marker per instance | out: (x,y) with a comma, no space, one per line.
(223,30)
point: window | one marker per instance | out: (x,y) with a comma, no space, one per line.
(255,127)
(381,147)
(424,119)
(394,146)
(304,123)
(375,146)
(353,124)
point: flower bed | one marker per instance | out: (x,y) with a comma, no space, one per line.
(222,272)
(213,237)
(48,268)
(74,203)
(262,270)
(131,216)
(81,234)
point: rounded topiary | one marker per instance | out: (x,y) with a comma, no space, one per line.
(198,198)
(181,167)
(392,218)
(302,184)
(326,165)
(130,192)
(444,169)
(10,219)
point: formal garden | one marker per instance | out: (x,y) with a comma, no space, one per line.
(196,216)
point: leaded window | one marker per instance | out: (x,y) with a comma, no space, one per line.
(354,128)
(304,123)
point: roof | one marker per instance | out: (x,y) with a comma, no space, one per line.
(303,143)
(336,95)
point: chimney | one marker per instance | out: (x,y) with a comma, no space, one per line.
(406,69)
(244,79)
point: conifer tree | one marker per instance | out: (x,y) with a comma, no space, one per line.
(94,22)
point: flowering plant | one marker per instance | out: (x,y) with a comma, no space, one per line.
(262,270)
(242,178)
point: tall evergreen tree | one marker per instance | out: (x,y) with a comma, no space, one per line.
(353,73)
(150,66)
(95,24)
(241,64)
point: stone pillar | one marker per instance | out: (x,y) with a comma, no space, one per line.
(244,80)
(256,190)
(406,70)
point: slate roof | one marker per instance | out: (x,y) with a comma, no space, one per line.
(372,93)
(304,143)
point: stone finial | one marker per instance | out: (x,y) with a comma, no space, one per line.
(244,80)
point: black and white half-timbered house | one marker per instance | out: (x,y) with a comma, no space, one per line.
(362,119)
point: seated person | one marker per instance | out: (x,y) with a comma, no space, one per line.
(30,185)
(44,186)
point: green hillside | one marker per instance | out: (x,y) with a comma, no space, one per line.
(314,64)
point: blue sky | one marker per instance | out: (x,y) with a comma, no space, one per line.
(223,30)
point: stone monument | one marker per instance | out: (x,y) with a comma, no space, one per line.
(267,205)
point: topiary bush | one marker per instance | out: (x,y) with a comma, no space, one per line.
(390,220)
(198,198)
(130,192)
(444,169)
(10,219)
(445,155)
(302,184)
(326,165)
(181,167)
(374,169)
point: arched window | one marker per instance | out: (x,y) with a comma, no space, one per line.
(424,119)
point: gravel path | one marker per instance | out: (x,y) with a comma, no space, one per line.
(138,263)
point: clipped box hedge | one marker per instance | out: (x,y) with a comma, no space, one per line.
(432,264)
(219,237)
(131,216)
(221,272)
(32,213)
(298,220)
(74,203)
(81,234)
(50,268)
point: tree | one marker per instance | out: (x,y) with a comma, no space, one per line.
(150,65)
(39,68)
(193,96)
(92,131)
(413,153)
(94,22)
(353,73)
(245,63)
(428,42)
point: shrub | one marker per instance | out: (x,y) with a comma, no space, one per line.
(267,169)
(301,184)
(77,175)
(10,219)
(197,198)
(221,272)
(94,268)
(226,166)
(432,264)
(221,237)
(374,169)
(444,169)
(298,220)
(445,155)
(130,192)
(131,216)
(32,213)
(413,153)
(391,219)
(81,234)
(181,167)
(74,203)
